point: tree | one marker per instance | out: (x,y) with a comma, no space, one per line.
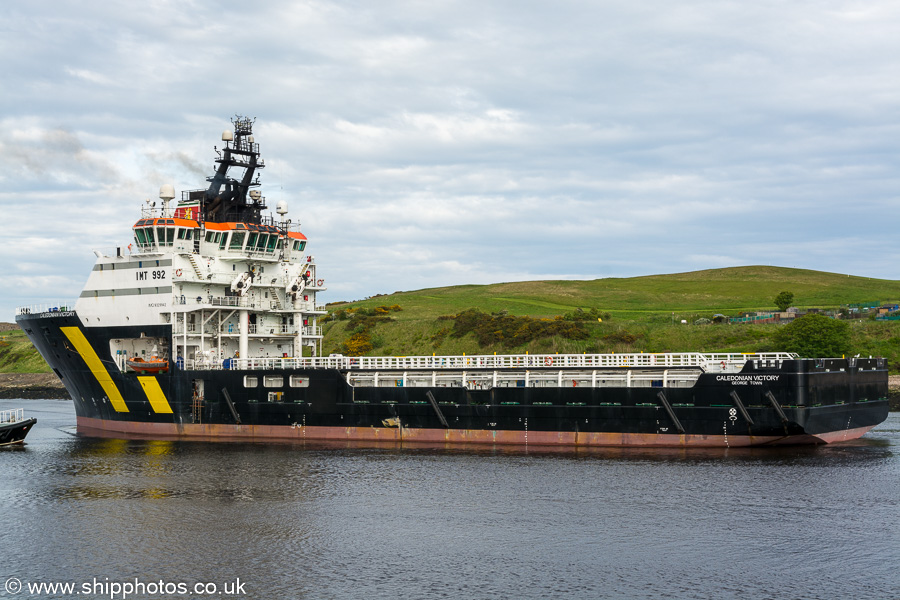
(784,300)
(814,336)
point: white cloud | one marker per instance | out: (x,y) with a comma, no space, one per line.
(428,144)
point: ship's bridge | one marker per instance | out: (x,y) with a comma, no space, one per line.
(160,233)
(247,239)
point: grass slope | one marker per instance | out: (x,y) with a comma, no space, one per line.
(640,306)
(727,291)
(18,355)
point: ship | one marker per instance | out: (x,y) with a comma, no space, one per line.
(207,325)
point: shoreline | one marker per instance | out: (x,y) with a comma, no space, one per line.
(32,386)
(47,386)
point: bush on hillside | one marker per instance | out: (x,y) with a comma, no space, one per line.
(361,328)
(512,331)
(784,300)
(622,337)
(814,336)
(358,344)
(579,314)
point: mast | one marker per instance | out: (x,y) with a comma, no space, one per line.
(226,199)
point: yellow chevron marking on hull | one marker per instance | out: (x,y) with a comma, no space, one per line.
(96,366)
(155,394)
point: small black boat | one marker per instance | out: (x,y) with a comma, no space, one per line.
(14,426)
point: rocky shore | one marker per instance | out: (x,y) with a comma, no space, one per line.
(31,385)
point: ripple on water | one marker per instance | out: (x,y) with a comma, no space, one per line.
(486,523)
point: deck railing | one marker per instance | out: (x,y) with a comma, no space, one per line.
(730,362)
(12,416)
(36,309)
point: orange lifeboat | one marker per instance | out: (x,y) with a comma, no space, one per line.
(154,365)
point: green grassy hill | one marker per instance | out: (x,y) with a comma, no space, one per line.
(727,291)
(17,355)
(644,314)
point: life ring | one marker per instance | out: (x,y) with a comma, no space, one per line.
(320,282)
(548,361)
(177,272)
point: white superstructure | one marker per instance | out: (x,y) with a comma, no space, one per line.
(230,282)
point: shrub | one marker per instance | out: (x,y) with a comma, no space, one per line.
(580,314)
(784,300)
(814,336)
(357,345)
(512,331)
(622,337)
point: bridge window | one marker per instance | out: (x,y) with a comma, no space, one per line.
(261,241)
(237,240)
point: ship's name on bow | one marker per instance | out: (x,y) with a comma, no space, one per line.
(747,379)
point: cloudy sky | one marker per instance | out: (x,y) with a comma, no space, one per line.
(446,142)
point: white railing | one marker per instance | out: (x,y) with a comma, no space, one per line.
(234,330)
(482,380)
(36,309)
(12,416)
(260,252)
(273,329)
(229,301)
(309,307)
(730,363)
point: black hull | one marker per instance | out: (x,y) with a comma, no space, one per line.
(816,401)
(14,433)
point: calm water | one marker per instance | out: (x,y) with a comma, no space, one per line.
(314,522)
